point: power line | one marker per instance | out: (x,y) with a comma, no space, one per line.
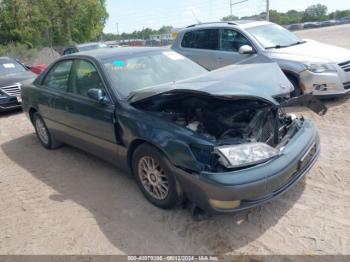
(236,3)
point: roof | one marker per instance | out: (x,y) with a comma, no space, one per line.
(239,23)
(109,52)
(6,58)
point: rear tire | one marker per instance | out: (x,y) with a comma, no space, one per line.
(154,177)
(43,133)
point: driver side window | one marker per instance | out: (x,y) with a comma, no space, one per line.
(84,77)
(232,41)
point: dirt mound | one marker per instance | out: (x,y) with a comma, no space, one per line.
(45,56)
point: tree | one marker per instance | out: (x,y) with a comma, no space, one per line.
(51,22)
(315,13)
(339,14)
(229,18)
(294,16)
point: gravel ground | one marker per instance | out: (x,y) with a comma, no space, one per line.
(68,202)
(334,35)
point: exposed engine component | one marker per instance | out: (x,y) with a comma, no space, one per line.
(222,120)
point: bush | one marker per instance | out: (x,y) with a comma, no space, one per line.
(18,51)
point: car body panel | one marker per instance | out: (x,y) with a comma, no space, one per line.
(311,51)
(112,130)
(10,85)
(268,82)
(291,59)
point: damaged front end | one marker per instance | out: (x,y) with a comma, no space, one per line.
(241,131)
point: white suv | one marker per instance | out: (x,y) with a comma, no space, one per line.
(312,67)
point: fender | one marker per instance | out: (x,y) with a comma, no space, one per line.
(307,100)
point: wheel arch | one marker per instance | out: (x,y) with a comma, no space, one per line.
(134,145)
(290,74)
(32,111)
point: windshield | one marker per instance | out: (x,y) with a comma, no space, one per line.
(273,36)
(137,71)
(10,66)
(92,47)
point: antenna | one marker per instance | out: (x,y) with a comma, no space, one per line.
(195,17)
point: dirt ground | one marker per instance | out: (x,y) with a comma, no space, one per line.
(334,35)
(68,202)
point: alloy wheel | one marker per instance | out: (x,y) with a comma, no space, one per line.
(42,131)
(153,178)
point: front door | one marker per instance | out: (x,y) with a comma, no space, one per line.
(230,41)
(91,123)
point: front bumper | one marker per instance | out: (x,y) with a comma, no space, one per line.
(8,104)
(258,184)
(326,85)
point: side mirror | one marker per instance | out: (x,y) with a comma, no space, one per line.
(246,49)
(97,95)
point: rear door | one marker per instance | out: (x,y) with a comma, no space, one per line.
(202,47)
(91,123)
(53,87)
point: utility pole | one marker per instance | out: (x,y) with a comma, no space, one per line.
(236,3)
(268,10)
(117,31)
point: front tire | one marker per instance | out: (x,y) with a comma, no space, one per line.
(297,90)
(154,177)
(43,133)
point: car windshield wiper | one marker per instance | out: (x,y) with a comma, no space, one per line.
(283,46)
(298,43)
(276,46)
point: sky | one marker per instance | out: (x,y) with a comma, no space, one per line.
(133,15)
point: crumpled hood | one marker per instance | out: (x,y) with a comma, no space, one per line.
(11,79)
(263,81)
(312,51)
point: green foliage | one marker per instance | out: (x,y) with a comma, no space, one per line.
(18,51)
(339,14)
(291,17)
(315,13)
(312,13)
(143,34)
(51,22)
(229,18)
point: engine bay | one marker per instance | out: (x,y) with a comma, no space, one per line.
(222,120)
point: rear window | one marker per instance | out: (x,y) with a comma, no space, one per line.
(201,39)
(10,66)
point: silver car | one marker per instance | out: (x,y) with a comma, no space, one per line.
(312,67)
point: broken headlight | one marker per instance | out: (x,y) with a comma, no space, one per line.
(245,154)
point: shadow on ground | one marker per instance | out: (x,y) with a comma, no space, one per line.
(10,113)
(129,222)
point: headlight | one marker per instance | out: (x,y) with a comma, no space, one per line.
(245,154)
(320,68)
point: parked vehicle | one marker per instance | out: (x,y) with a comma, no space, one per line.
(312,67)
(312,25)
(83,47)
(12,75)
(218,138)
(37,69)
(295,27)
